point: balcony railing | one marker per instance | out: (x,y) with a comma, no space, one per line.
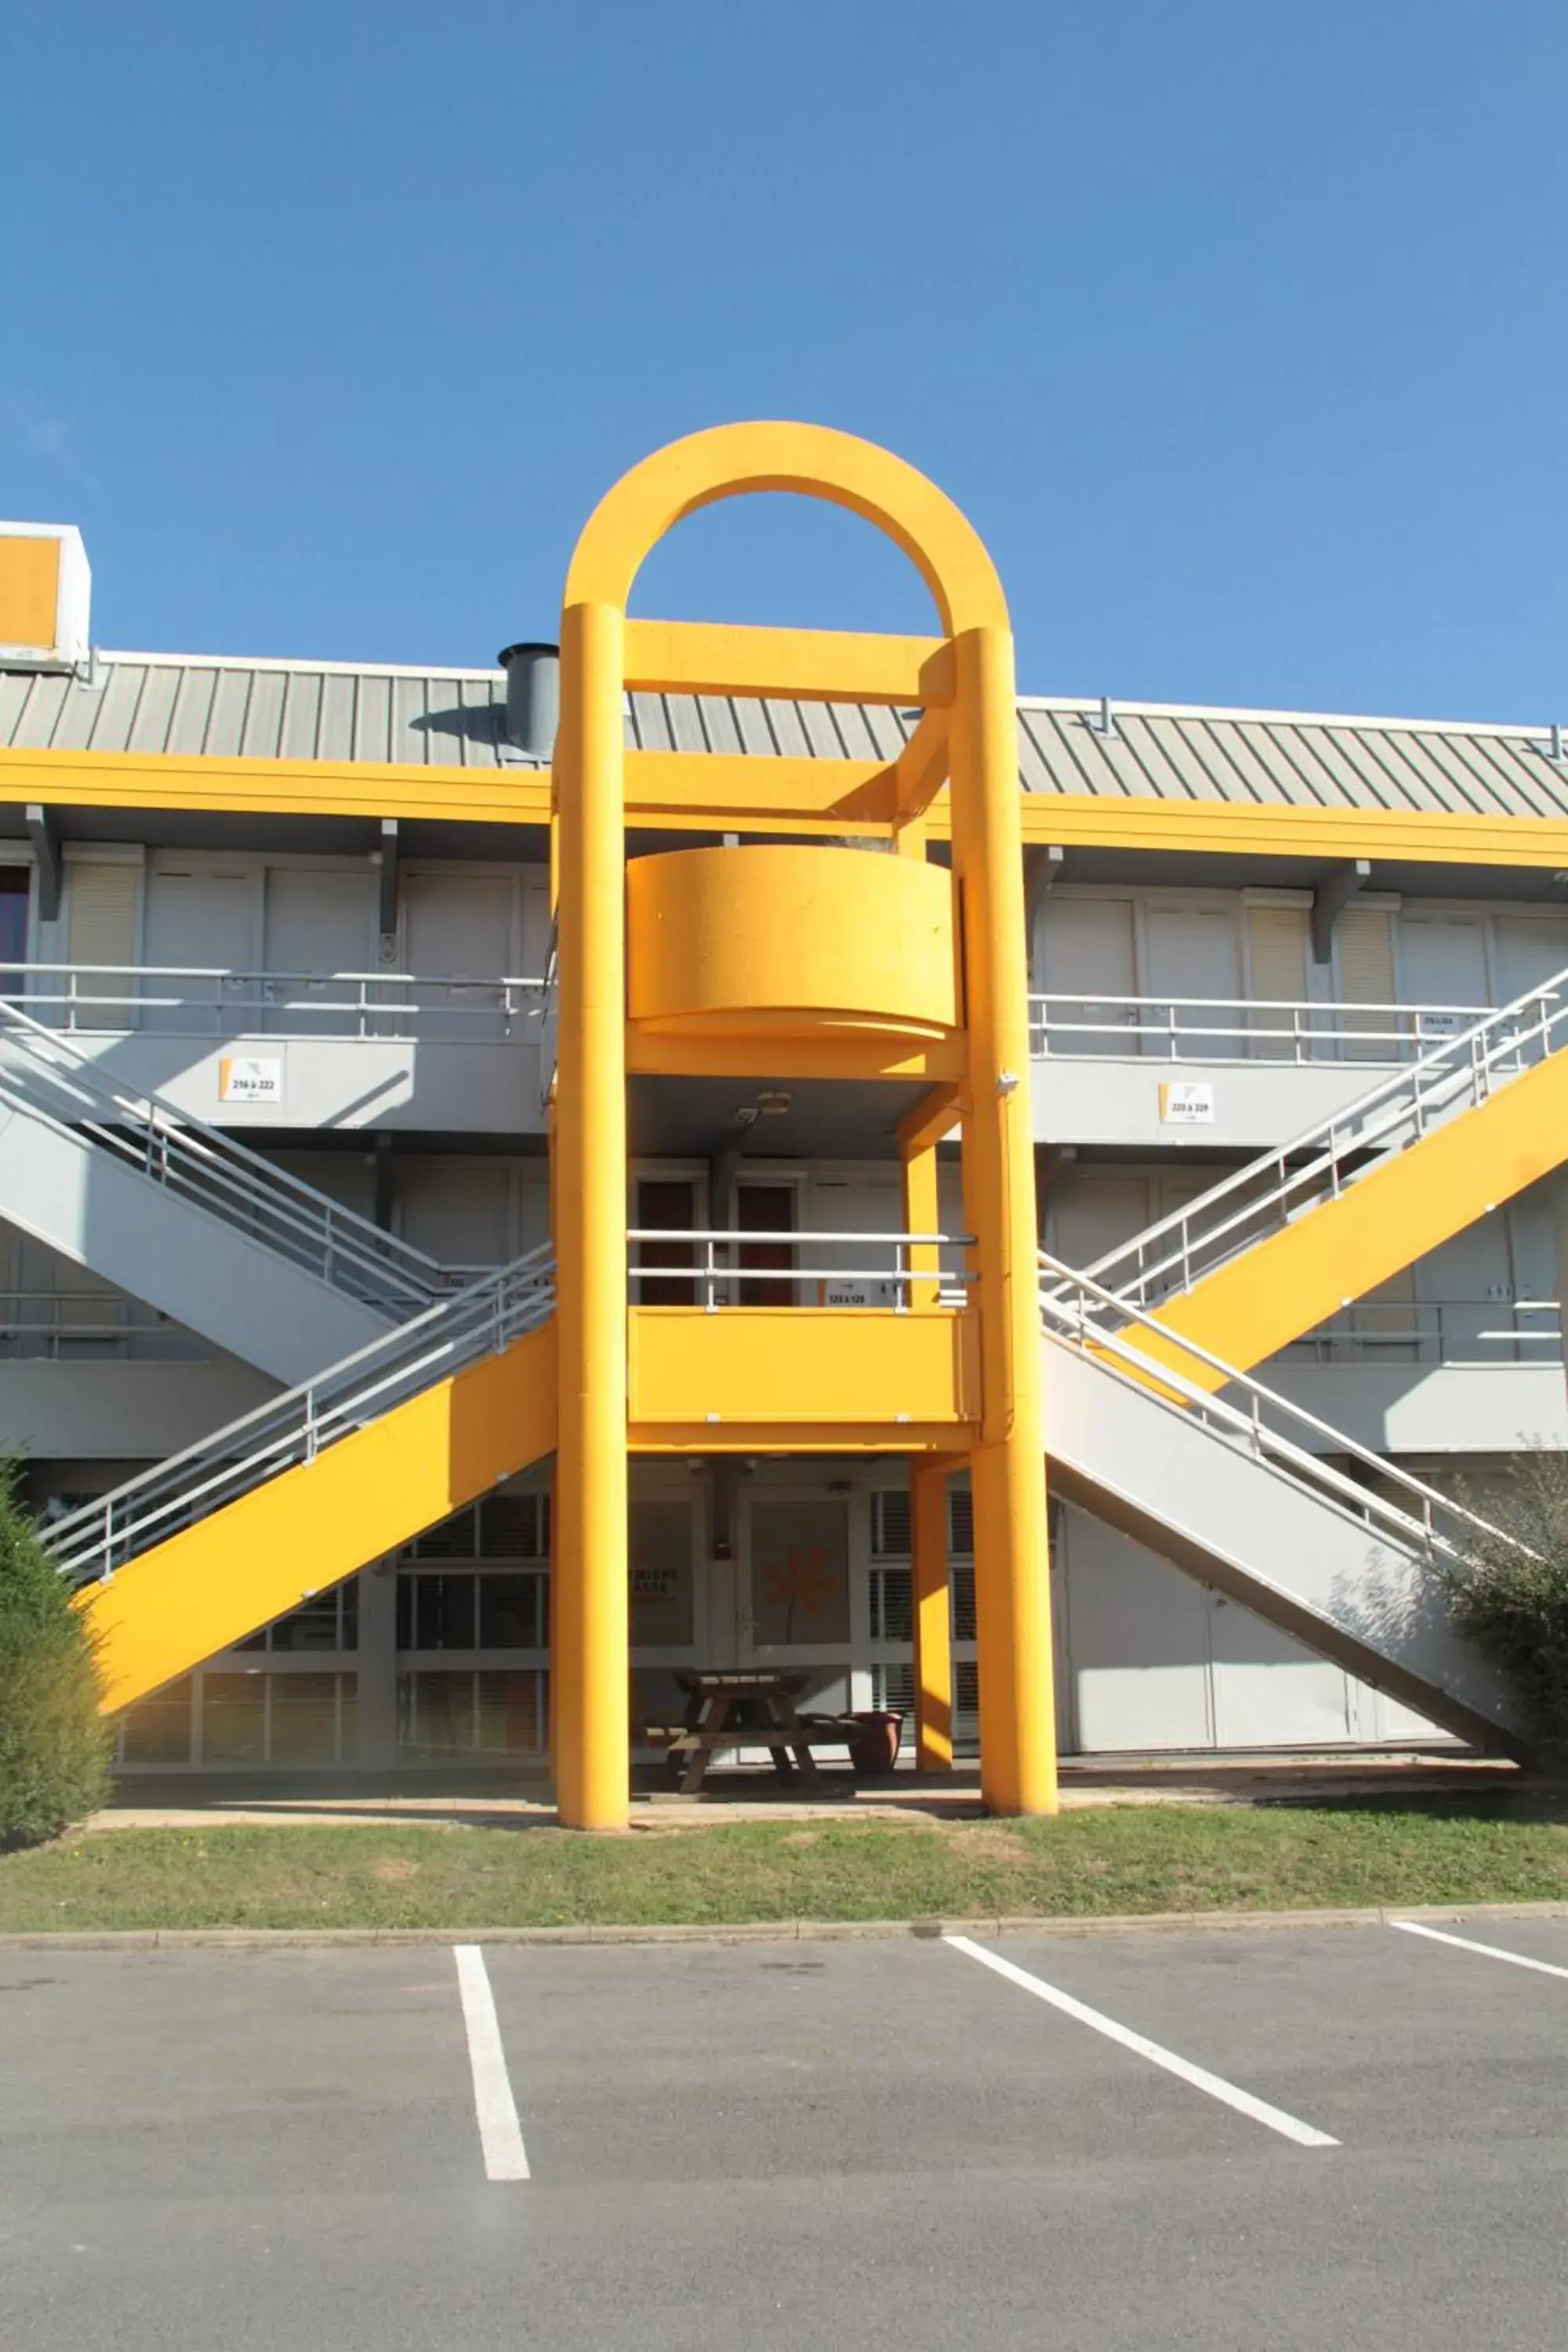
(712,1269)
(1238,1029)
(1460,1335)
(185,1000)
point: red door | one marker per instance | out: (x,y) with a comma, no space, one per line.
(765,1209)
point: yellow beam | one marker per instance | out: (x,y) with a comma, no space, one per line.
(671,1439)
(868,1373)
(1224,829)
(934,1116)
(300,1533)
(810,664)
(857,793)
(368,788)
(921,767)
(1327,1256)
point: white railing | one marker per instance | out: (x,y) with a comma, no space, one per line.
(1255,1419)
(189,999)
(91,1542)
(1323,1161)
(45,1325)
(1238,1029)
(713,1268)
(1460,1335)
(51,1080)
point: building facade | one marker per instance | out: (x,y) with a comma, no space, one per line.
(312,973)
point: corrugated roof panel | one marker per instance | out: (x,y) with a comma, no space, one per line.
(154,709)
(339,698)
(231,698)
(77,712)
(298,722)
(192,711)
(407,736)
(114,726)
(1421,776)
(1170,757)
(790,738)
(264,716)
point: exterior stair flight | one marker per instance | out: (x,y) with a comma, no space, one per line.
(206,1548)
(179,1215)
(1225,1492)
(1283,1243)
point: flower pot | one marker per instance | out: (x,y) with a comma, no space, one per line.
(875,1748)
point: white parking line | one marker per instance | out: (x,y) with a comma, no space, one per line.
(1489,1951)
(500,2134)
(1242,2102)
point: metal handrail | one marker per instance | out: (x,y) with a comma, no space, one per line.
(1067,1299)
(368,1003)
(714,1277)
(50,1079)
(91,1542)
(1131,1028)
(1262,1195)
(1436,1329)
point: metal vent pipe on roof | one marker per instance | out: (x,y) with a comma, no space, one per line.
(532,697)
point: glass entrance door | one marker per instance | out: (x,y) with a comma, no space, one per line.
(793,1603)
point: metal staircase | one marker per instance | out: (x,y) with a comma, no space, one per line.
(1298,1232)
(1233,1493)
(199,1551)
(181,1215)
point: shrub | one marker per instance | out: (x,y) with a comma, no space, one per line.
(1510,1596)
(54,1750)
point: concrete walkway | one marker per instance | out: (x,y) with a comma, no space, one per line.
(510,1803)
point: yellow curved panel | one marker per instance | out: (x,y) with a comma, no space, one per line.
(773,938)
(816,461)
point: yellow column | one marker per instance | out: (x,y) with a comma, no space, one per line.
(932,1618)
(1017,1711)
(591,1662)
(920,1217)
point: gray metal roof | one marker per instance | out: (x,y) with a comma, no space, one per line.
(299,711)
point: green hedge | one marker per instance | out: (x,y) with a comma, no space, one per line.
(1510,1596)
(53,1750)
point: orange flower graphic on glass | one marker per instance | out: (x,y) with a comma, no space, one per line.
(804,1580)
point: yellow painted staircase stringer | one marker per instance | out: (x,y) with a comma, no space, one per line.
(1292,1280)
(215,1582)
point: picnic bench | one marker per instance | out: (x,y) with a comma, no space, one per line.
(746,1707)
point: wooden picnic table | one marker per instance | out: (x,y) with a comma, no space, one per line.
(720,1712)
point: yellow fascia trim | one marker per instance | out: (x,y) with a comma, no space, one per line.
(371,789)
(869,1375)
(801,664)
(755,790)
(304,1532)
(1413,837)
(1293,1280)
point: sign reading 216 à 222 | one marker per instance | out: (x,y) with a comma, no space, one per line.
(250,1079)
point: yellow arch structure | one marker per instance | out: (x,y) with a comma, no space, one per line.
(963,679)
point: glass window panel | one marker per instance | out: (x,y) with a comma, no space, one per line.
(348,1595)
(347,1716)
(438,1717)
(444,1612)
(234,1718)
(963,1604)
(510,1716)
(452,1540)
(312,1626)
(304,1718)
(509,1526)
(406,1612)
(157,1731)
(890,1523)
(799,1571)
(961,1518)
(660,1574)
(892,1605)
(509,1613)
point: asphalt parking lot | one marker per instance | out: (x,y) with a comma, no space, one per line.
(1351,2135)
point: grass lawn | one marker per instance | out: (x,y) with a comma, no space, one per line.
(1134,1859)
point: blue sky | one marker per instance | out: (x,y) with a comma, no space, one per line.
(1237,326)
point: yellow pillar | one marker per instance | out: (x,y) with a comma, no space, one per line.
(1018,1709)
(921,1215)
(591,1662)
(933,1617)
